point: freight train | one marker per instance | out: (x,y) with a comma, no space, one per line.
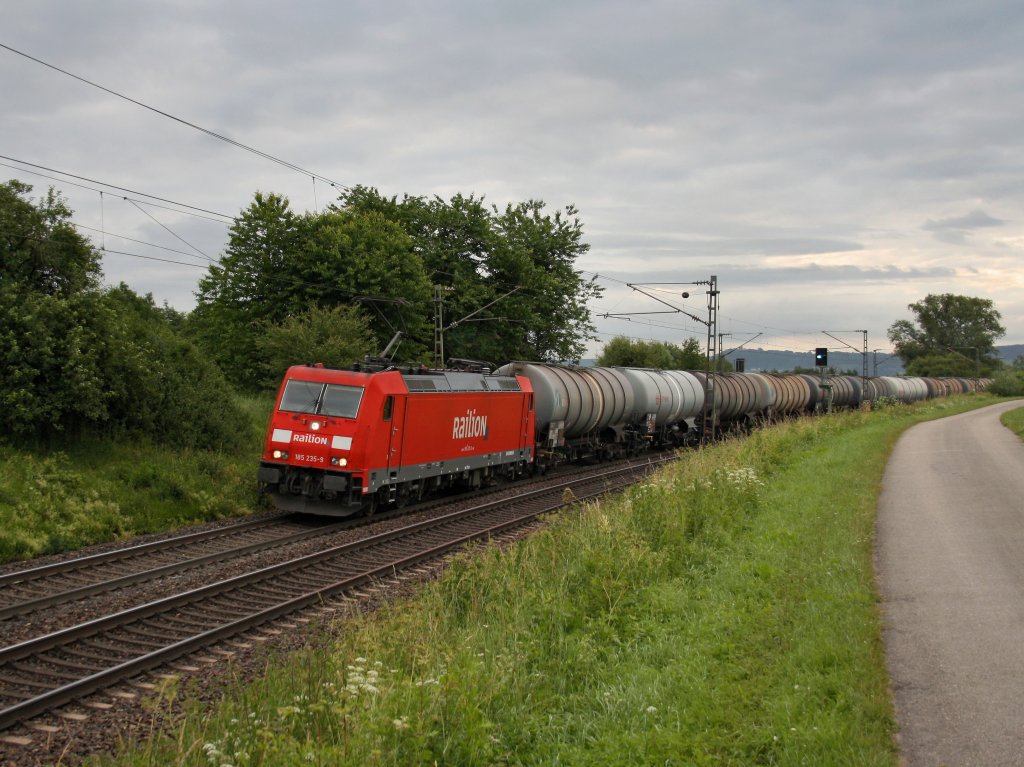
(343,442)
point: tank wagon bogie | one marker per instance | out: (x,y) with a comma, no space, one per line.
(347,441)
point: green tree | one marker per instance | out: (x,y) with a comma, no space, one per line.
(689,356)
(157,381)
(950,364)
(50,377)
(535,254)
(454,240)
(279,265)
(948,328)
(43,252)
(337,337)
(508,279)
(364,259)
(258,280)
(634,353)
(1008,382)
(627,352)
(50,318)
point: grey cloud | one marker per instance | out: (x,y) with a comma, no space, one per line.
(738,275)
(848,273)
(976,219)
(665,246)
(712,137)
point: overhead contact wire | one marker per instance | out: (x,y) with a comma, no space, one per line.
(114,186)
(169,116)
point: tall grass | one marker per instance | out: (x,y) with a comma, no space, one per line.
(721,613)
(97,490)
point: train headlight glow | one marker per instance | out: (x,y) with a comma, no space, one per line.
(280,454)
(315,426)
(336,461)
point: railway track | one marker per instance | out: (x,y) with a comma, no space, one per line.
(25,591)
(46,672)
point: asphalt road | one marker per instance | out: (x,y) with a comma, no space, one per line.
(950,564)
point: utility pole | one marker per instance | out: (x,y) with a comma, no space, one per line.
(439,291)
(440,327)
(863,353)
(722,353)
(710,410)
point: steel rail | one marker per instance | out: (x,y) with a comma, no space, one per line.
(77,563)
(32,605)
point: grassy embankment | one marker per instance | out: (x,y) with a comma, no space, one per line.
(101,489)
(722,613)
(1014,420)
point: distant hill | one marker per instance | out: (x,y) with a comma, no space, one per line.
(1011,352)
(767,360)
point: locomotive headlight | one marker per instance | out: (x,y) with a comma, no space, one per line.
(280,454)
(336,461)
(315,426)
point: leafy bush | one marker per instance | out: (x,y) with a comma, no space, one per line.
(160,385)
(77,360)
(50,378)
(1008,383)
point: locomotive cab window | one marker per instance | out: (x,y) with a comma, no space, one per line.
(321,399)
(301,396)
(341,401)
(389,406)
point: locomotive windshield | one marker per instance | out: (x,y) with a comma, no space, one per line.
(341,401)
(321,399)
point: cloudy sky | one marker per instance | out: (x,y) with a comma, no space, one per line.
(830,163)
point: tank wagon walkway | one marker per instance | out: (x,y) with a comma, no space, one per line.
(950,563)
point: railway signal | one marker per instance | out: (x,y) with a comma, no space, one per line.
(821,357)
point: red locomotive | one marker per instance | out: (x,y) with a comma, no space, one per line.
(345,441)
